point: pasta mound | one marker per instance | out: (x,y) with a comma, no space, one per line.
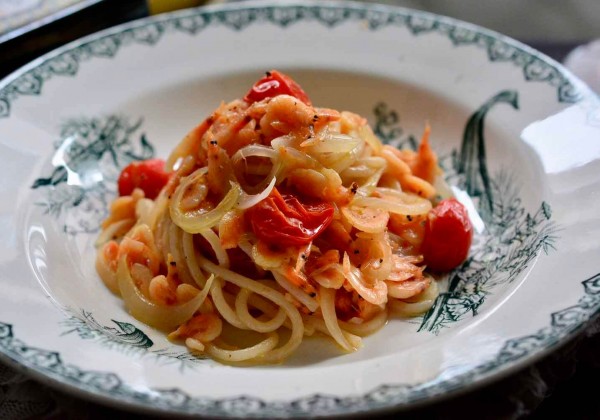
(278,220)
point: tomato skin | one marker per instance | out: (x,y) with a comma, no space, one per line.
(149,175)
(448,236)
(282,220)
(274,84)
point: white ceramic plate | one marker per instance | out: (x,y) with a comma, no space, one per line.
(514,129)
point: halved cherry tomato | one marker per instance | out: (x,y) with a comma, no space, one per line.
(448,235)
(284,220)
(274,84)
(149,175)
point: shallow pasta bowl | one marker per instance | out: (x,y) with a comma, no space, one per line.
(514,130)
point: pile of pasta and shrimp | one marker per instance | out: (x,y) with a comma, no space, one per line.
(273,220)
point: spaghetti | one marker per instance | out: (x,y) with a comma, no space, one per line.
(275,220)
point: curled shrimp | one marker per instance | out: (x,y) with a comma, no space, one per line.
(375,294)
(202,327)
(285,114)
(138,245)
(408,288)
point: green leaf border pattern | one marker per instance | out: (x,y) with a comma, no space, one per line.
(562,323)
(99,146)
(66,61)
(127,339)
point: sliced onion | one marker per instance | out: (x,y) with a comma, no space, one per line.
(246,201)
(372,140)
(328,142)
(195,221)
(369,186)
(158,316)
(329,316)
(366,219)
(257,150)
(408,204)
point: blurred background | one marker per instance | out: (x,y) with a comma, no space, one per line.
(29,28)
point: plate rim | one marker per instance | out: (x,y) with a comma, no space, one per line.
(502,371)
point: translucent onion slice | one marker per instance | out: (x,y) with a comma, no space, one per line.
(148,312)
(329,142)
(372,140)
(257,150)
(405,204)
(327,297)
(195,221)
(370,184)
(366,219)
(246,201)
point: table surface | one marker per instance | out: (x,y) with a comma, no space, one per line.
(557,385)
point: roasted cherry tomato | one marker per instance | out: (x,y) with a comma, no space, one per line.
(448,235)
(284,220)
(149,175)
(274,84)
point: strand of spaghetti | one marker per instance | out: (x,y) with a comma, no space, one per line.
(319,325)
(213,240)
(328,310)
(274,296)
(295,291)
(223,307)
(367,327)
(189,252)
(241,307)
(254,352)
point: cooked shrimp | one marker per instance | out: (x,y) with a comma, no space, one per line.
(398,168)
(408,288)
(139,247)
(123,208)
(220,171)
(404,268)
(423,163)
(190,146)
(204,327)
(231,229)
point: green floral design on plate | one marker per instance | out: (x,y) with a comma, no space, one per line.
(67,61)
(127,338)
(89,156)
(513,237)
